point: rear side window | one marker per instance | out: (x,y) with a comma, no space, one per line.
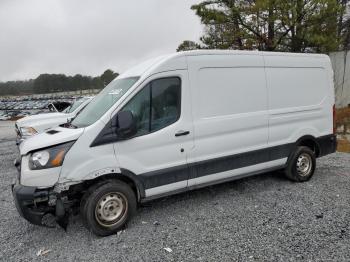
(157,105)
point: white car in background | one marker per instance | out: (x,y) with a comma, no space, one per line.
(32,125)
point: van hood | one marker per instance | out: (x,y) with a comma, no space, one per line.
(49,138)
(28,121)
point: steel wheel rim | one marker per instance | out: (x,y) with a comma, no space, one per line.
(304,164)
(111,208)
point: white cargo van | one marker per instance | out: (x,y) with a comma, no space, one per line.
(31,125)
(176,123)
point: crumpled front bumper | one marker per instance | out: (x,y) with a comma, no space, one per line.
(33,203)
(25,200)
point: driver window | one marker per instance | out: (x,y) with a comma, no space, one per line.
(157,105)
(139,106)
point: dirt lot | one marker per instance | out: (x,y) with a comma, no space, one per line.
(260,218)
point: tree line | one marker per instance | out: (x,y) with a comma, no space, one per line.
(317,26)
(51,83)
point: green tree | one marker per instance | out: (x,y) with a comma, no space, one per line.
(50,83)
(272,25)
(108,76)
(344,24)
(188,45)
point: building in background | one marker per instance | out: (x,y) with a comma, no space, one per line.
(341,67)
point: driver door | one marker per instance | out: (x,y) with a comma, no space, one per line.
(162,111)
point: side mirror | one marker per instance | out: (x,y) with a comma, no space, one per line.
(126,126)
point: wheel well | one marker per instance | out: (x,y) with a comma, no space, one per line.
(310,143)
(120,177)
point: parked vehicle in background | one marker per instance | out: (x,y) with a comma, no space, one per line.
(3,115)
(58,106)
(32,125)
(176,123)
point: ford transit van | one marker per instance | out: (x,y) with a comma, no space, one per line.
(176,123)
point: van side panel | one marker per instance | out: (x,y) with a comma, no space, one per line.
(300,98)
(229,103)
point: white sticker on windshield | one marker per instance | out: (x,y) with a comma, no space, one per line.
(115,92)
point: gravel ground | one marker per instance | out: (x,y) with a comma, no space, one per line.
(262,218)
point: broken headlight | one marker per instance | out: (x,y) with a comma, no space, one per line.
(49,157)
(28,131)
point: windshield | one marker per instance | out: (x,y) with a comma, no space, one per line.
(75,105)
(103,101)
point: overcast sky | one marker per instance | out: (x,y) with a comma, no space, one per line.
(89,36)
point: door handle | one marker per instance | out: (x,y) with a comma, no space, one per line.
(182,133)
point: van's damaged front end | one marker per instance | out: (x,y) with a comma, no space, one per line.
(37,197)
(44,207)
(35,204)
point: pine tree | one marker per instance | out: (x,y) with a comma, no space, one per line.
(272,25)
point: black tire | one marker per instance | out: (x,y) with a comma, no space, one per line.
(86,195)
(107,198)
(295,166)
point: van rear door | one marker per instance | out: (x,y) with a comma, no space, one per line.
(300,97)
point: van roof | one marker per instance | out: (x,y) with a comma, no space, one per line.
(247,52)
(150,64)
(216,52)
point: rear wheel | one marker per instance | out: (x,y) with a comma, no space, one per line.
(301,165)
(107,206)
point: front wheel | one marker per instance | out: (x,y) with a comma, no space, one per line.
(301,165)
(107,206)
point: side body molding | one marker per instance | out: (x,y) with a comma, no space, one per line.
(138,182)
